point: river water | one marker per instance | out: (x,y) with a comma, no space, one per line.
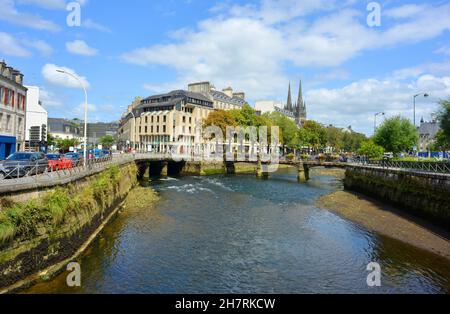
(237,234)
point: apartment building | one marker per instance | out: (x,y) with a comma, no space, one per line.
(36,120)
(161,122)
(12,110)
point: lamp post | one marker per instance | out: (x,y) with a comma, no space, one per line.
(375,121)
(85,111)
(415,96)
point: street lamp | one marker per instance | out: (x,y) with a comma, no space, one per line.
(375,122)
(85,110)
(415,96)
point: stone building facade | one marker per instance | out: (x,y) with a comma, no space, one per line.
(226,99)
(13,95)
(161,122)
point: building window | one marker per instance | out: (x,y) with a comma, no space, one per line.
(146,119)
(164,119)
(157,129)
(146,129)
(157,119)
(184,119)
(164,129)
(8,123)
(151,129)
(152,119)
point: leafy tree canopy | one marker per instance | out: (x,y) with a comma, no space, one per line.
(397,135)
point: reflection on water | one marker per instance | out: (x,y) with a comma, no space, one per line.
(237,234)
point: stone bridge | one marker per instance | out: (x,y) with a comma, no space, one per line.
(164,165)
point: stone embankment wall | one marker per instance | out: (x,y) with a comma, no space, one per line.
(42,232)
(423,194)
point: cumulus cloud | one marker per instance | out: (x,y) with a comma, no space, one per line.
(51,75)
(11,15)
(356,103)
(90,24)
(247,46)
(80,47)
(44,48)
(47,4)
(12,47)
(49,99)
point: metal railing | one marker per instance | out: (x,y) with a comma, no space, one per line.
(433,167)
(42,174)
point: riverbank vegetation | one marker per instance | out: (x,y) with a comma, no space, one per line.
(36,217)
(311,136)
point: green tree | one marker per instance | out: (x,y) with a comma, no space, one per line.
(312,135)
(371,150)
(288,129)
(397,135)
(352,141)
(335,138)
(51,140)
(221,119)
(107,141)
(444,118)
(66,144)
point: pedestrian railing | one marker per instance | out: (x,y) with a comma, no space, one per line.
(433,167)
(43,174)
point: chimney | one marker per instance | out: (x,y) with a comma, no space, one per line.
(240,95)
(228,91)
(2,66)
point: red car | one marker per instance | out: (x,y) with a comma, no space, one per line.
(58,162)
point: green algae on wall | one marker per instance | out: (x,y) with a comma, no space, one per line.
(425,195)
(39,233)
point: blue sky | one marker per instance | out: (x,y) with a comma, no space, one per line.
(134,48)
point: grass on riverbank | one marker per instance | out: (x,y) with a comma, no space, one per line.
(24,221)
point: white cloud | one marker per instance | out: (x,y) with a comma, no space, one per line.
(12,47)
(47,4)
(445,50)
(11,15)
(80,47)
(405,11)
(51,75)
(356,103)
(79,110)
(44,48)
(248,46)
(49,99)
(90,24)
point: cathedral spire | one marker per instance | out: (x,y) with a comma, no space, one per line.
(300,95)
(289,100)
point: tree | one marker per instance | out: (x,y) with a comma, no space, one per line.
(397,135)
(107,141)
(221,119)
(352,141)
(335,138)
(66,144)
(444,119)
(288,129)
(312,135)
(51,140)
(371,150)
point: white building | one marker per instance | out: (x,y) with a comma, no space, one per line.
(36,118)
(267,106)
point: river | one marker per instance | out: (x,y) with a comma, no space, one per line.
(238,234)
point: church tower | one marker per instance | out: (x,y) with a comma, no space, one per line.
(289,100)
(300,114)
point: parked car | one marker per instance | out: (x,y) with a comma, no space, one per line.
(76,158)
(21,164)
(58,162)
